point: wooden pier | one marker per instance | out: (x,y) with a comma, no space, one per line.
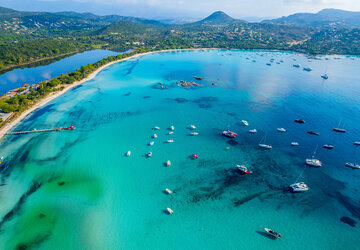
(41,130)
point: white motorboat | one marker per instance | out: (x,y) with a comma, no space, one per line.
(295,144)
(128,153)
(169,141)
(170,211)
(149,154)
(172,128)
(328,146)
(313,162)
(252,131)
(170,133)
(245,122)
(151,143)
(299,187)
(352,165)
(307,69)
(265,146)
(357,143)
(192,127)
(156,128)
(273,233)
(282,130)
(229,133)
(243,169)
(168,163)
(154,136)
(194,133)
(168,191)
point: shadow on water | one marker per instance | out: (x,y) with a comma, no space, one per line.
(15,210)
(348,220)
(165,212)
(266,235)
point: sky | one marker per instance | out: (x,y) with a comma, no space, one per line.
(161,9)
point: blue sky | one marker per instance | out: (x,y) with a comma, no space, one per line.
(184,8)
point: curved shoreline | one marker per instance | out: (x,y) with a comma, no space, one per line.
(8,126)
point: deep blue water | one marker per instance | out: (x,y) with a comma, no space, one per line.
(79,186)
(15,78)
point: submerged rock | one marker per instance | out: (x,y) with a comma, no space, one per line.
(348,220)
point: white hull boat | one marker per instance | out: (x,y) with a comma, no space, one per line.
(299,187)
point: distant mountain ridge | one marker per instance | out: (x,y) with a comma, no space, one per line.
(71,19)
(218,18)
(325,17)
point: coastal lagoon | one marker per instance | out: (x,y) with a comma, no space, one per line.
(78,190)
(15,78)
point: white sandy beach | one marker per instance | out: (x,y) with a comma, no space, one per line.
(8,126)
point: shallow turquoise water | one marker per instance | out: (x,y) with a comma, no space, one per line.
(79,186)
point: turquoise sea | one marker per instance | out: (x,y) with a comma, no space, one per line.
(78,190)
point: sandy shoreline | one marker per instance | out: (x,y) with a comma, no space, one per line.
(8,126)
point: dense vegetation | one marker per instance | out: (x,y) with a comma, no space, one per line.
(28,37)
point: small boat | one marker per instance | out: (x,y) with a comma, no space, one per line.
(154,136)
(307,69)
(172,128)
(328,146)
(192,127)
(194,133)
(325,76)
(296,65)
(352,165)
(245,122)
(198,78)
(268,64)
(1,159)
(149,154)
(295,144)
(357,143)
(168,163)
(243,169)
(299,121)
(170,211)
(229,133)
(313,162)
(281,130)
(273,233)
(128,153)
(156,128)
(194,156)
(170,141)
(252,131)
(265,146)
(312,133)
(170,133)
(151,143)
(299,187)
(168,191)
(341,130)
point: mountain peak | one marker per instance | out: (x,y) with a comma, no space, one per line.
(218,18)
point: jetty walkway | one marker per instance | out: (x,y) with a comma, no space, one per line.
(41,130)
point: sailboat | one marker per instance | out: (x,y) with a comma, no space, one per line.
(313,162)
(338,129)
(263,145)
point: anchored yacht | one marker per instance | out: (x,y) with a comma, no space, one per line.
(299,187)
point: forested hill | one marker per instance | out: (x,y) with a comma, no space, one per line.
(27,37)
(324,18)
